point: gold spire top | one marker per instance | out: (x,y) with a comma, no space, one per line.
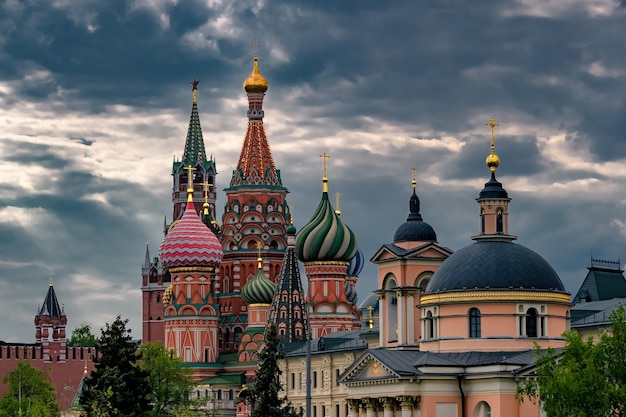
(414,181)
(370,322)
(206,185)
(337,198)
(190,171)
(492,160)
(259,246)
(255,83)
(194,88)
(325,156)
(51,281)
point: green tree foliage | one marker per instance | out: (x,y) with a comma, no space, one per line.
(30,394)
(82,336)
(265,399)
(118,385)
(170,384)
(585,378)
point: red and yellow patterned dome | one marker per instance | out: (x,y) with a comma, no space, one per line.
(190,243)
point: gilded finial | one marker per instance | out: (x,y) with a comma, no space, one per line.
(190,171)
(337,198)
(255,83)
(259,246)
(206,186)
(492,160)
(51,281)
(414,181)
(194,88)
(325,156)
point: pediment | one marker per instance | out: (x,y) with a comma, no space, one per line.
(424,251)
(367,368)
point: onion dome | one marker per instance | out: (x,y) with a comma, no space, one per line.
(493,265)
(351,294)
(291,229)
(259,290)
(325,237)
(190,242)
(356,264)
(255,83)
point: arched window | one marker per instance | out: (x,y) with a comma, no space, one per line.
(531,322)
(474,323)
(482,221)
(389,284)
(499,222)
(429,326)
(482,410)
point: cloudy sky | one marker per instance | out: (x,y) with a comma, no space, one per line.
(95,101)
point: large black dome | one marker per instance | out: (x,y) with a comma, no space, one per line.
(495,265)
(415,229)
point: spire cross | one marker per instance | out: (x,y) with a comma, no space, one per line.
(255,41)
(259,245)
(206,185)
(492,123)
(371,322)
(325,156)
(414,181)
(190,171)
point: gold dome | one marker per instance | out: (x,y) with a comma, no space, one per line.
(255,83)
(493,161)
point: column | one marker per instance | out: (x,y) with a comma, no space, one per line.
(411,313)
(381,320)
(371,407)
(406,404)
(353,408)
(389,405)
(401,317)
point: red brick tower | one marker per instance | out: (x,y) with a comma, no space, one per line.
(256,211)
(50,325)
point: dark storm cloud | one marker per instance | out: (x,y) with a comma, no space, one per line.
(25,153)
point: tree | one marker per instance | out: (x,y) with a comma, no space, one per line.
(118,385)
(264,398)
(170,384)
(82,336)
(30,393)
(585,378)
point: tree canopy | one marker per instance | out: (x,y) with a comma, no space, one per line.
(265,399)
(583,379)
(118,385)
(82,336)
(30,394)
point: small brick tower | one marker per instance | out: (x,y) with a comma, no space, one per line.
(50,325)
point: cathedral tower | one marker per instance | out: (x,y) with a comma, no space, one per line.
(326,245)
(50,324)
(155,278)
(255,212)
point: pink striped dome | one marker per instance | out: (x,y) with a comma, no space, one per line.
(190,243)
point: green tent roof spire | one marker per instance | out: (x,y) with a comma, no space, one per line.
(194,153)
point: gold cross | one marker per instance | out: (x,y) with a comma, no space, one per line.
(206,190)
(337,198)
(371,322)
(414,182)
(255,41)
(492,123)
(190,171)
(325,156)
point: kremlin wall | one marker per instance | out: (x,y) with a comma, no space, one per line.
(446,334)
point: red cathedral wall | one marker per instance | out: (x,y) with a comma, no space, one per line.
(65,375)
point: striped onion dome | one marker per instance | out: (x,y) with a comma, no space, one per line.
(259,290)
(190,243)
(325,237)
(356,264)
(351,294)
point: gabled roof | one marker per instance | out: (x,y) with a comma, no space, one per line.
(390,251)
(595,313)
(601,283)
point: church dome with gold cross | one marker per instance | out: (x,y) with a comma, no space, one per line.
(260,289)
(255,83)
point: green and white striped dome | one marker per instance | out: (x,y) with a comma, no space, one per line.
(259,290)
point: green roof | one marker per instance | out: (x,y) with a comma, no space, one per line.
(226,378)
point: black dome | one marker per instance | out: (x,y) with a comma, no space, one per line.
(493,189)
(495,265)
(415,229)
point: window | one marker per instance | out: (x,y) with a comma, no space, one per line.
(499,222)
(293,380)
(531,322)
(474,323)
(314,379)
(482,410)
(429,326)
(482,221)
